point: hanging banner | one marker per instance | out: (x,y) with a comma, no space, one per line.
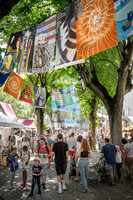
(8,63)
(25,56)
(124,18)
(70,95)
(13,85)
(96,28)
(66,50)
(82,85)
(39,97)
(3,78)
(74,108)
(43,59)
(26,93)
(58,98)
(11,53)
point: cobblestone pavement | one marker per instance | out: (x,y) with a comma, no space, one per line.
(97,191)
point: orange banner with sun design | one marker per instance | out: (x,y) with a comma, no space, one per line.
(13,85)
(96,28)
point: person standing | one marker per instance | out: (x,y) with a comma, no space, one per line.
(109,151)
(60,150)
(14,165)
(44,152)
(84,153)
(128,158)
(1,149)
(49,143)
(36,174)
(71,142)
(76,150)
(101,142)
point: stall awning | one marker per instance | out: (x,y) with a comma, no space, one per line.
(28,123)
(8,110)
(7,122)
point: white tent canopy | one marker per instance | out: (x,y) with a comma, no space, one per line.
(7,122)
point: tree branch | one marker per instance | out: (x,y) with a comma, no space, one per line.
(120,52)
(110,62)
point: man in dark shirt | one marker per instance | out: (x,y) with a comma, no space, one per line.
(109,151)
(60,150)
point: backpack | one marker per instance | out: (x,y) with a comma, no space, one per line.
(46,149)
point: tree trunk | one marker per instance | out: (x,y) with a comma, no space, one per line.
(92,119)
(40,119)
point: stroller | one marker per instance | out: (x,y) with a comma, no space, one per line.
(72,168)
(102,171)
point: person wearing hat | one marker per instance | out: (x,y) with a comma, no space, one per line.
(36,174)
(14,164)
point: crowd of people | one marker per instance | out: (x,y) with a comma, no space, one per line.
(58,149)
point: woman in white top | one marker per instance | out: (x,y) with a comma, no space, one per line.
(76,150)
(1,149)
(25,142)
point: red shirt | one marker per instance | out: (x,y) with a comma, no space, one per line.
(72,153)
(44,149)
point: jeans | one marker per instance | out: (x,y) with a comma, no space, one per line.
(12,178)
(35,180)
(84,171)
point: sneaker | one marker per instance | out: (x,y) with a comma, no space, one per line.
(59,188)
(111,184)
(11,187)
(30,195)
(64,187)
(85,190)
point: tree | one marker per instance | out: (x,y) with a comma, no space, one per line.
(121,55)
(6,6)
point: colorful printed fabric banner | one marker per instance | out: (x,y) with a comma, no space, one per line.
(124,18)
(8,63)
(65,96)
(43,59)
(13,85)
(39,97)
(25,56)
(74,108)
(81,82)
(58,98)
(11,53)
(66,51)
(3,78)
(27,92)
(96,28)
(70,95)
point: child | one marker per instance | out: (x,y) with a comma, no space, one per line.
(118,162)
(36,173)
(24,164)
(14,165)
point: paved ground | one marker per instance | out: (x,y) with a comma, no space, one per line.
(97,191)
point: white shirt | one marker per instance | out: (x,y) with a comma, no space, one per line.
(118,157)
(71,143)
(78,147)
(25,143)
(1,145)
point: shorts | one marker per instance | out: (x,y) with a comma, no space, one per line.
(60,168)
(110,168)
(44,167)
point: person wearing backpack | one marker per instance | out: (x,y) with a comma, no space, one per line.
(44,153)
